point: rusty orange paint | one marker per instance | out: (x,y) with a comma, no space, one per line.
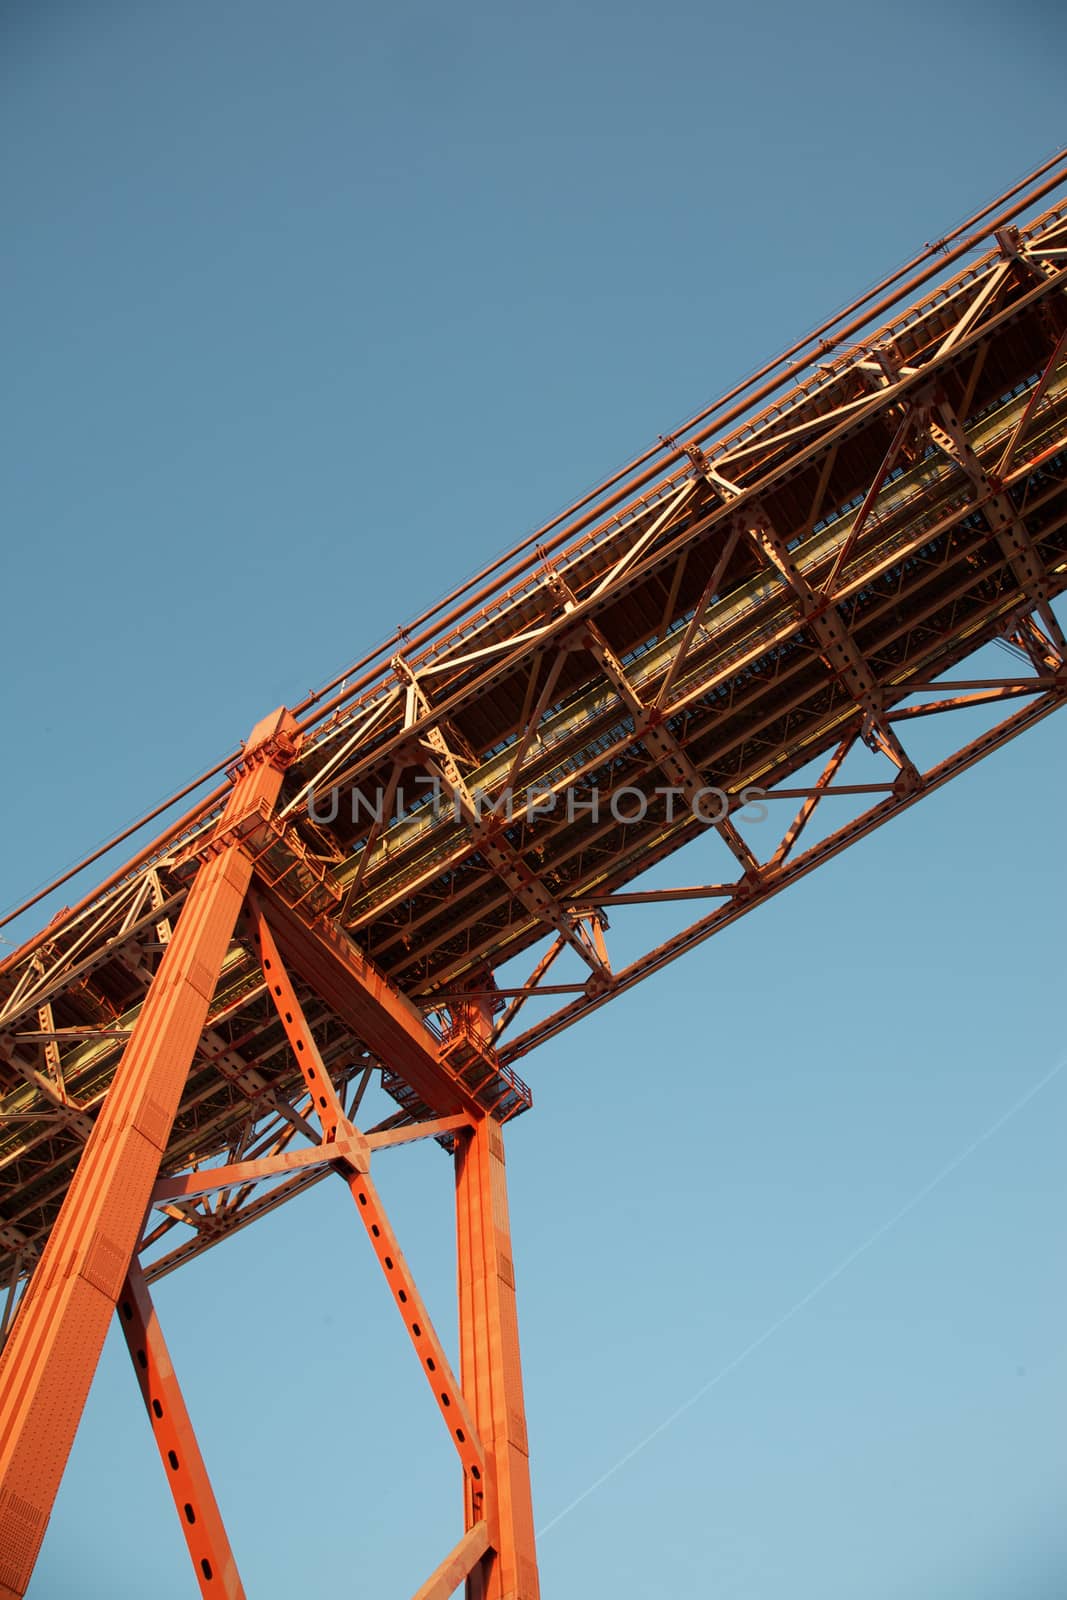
(51,1356)
(491,1368)
(187,1478)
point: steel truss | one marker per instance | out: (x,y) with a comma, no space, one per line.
(424,854)
(88,1267)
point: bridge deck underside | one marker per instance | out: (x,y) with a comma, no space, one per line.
(775,596)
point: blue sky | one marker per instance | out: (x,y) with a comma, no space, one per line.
(309,312)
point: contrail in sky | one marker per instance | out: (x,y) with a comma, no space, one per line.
(805,1300)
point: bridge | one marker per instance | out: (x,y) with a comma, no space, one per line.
(416,876)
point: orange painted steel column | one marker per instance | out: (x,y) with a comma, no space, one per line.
(187,1479)
(491,1372)
(51,1356)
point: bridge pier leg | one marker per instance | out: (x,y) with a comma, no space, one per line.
(187,1479)
(50,1358)
(491,1373)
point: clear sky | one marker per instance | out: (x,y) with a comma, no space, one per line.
(309,311)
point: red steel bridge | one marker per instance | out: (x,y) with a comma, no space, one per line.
(406,881)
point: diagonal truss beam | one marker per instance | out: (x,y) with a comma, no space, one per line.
(1004,521)
(1037,394)
(187,1478)
(841,653)
(1028,636)
(772,882)
(337,1132)
(807,809)
(663,747)
(531,986)
(457,1565)
(448,1396)
(889,461)
(524,883)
